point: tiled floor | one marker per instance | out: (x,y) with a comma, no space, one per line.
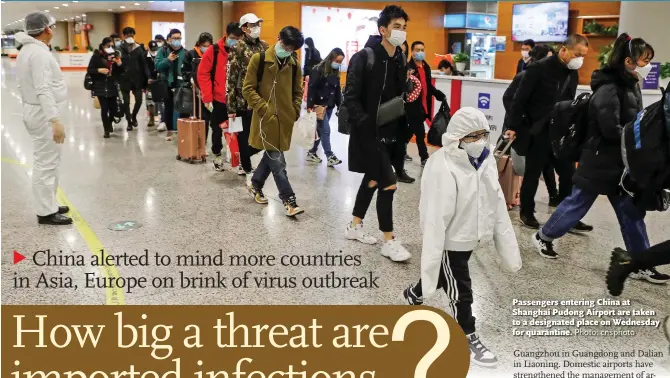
(184,208)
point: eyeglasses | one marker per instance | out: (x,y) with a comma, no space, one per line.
(475,137)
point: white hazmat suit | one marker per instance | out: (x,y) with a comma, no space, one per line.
(43,90)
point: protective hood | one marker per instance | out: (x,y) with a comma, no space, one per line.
(25,39)
(466,120)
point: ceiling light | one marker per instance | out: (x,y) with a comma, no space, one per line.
(174,9)
(65,5)
(137,3)
(122,7)
(109,10)
(46,10)
(56,8)
(75,1)
(83,15)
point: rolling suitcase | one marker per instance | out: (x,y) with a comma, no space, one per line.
(191,137)
(509,181)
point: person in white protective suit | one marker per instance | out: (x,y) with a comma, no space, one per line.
(461,206)
(43,89)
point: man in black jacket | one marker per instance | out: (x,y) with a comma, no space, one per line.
(526,47)
(135,77)
(373,78)
(544,84)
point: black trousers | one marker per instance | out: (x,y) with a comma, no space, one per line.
(246,151)
(107,110)
(656,255)
(550,180)
(390,155)
(137,93)
(418,129)
(539,155)
(456,283)
(218,116)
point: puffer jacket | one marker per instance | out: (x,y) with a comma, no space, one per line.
(616,101)
(104,85)
(239,57)
(461,206)
(324,90)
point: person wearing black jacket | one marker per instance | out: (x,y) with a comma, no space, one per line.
(527,47)
(616,101)
(189,71)
(135,76)
(312,57)
(544,84)
(421,110)
(153,97)
(325,93)
(373,148)
(105,68)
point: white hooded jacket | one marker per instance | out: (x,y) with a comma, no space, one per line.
(41,81)
(460,205)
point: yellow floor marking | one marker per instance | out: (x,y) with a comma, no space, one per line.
(114,295)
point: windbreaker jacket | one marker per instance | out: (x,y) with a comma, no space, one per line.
(460,205)
(41,81)
(214,91)
(239,57)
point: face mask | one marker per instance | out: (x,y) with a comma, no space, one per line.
(159,44)
(335,66)
(203,49)
(525,54)
(643,71)
(420,56)
(281,53)
(175,43)
(152,53)
(117,43)
(576,63)
(231,42)
(397,37)
(109,50)
(255,32)
(475,149)
(130,40)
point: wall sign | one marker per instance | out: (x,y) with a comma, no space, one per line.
(652,80)
(484,101)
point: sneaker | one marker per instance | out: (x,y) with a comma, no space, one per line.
(395,251)
(313,158)
(479,353)
(650,275)
(333,161)
(404,177)
(292,208)
(218,163)
(257,195)
(134,122)
(423,162)
(130,127)
(544,248)
(161,127)
(241,171)
(106,135)
(408,158)
(530,221)
(357,233)
(582,227)
(410,298)
(620,268)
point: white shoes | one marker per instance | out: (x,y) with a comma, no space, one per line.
(161,127)
(357,233)
(395,251)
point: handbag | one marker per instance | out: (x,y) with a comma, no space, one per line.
(96,103)
(390,111)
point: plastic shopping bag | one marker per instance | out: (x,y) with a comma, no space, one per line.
(233,149)
(304,130)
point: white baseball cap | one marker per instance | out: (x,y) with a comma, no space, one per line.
(249,18)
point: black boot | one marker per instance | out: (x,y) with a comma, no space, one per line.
(529,221)
(54,219)
(404,177)
(621,266)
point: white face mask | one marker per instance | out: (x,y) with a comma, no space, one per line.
(130,40)
(644,70)
(109,50)
(159,44)
(475,149)
(397,37)
(576,63)
(255,32)
(525,54)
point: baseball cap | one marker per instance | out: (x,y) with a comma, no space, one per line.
(249,18)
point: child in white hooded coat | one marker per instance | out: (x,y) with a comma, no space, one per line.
(462,204)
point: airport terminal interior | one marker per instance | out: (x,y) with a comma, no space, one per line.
(179,208)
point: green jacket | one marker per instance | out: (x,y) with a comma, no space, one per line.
(279,113)
(239,58)
(170,69)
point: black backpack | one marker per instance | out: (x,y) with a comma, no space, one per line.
(439,125)
(343,114)
(568,127)
(645,144)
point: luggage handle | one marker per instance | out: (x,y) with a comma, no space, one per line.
(500,142)
(195,113)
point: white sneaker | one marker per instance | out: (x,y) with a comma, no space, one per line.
(395,251)
(357,233)
(241,171)
(161,127)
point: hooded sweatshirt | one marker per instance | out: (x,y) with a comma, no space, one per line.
(41,81)
(462,205)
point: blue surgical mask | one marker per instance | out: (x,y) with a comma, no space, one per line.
(335,66)
(231,42)
(175,43)
(203,49)
(281,53)
(117,43)
(420,56)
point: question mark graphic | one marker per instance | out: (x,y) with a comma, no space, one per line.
(441,344)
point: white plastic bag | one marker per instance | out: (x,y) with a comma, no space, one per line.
(235,126)
(304,130)
(518,163)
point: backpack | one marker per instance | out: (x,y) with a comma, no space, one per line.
(88,82)
(261,68)
(343,114)
(439,125)
(568,127)
(645,143)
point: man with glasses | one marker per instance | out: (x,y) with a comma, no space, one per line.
(43,92)
(276,98)
(168,64)
(240,55)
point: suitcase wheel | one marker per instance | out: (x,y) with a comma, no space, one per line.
(178,157)
(204,160)
(192,161)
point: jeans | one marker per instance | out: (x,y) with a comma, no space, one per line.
(275,163)
(137,93)
(574,208)
(169,111)
(323,129)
